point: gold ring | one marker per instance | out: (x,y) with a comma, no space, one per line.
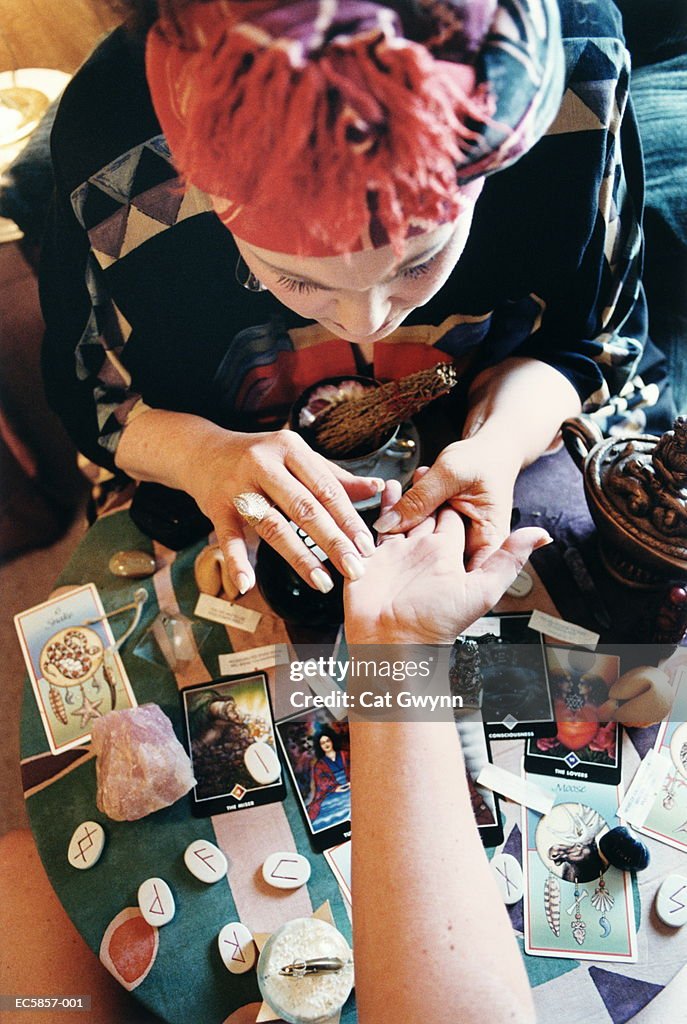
(252,507)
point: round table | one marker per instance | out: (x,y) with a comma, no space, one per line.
(187,980)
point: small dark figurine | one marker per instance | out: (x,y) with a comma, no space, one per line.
(636,489)
(464,672)
(652,484)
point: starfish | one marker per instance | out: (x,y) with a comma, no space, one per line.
(88,710)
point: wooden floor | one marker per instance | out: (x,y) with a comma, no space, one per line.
(51,33)
(55,34)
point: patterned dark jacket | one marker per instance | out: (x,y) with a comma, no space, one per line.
(143,307)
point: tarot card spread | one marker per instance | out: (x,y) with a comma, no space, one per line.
(75,672)
(576,906)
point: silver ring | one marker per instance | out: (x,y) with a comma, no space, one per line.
(252,507)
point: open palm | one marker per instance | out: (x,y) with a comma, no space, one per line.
(416,588)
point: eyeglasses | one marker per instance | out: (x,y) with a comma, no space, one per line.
(246,278)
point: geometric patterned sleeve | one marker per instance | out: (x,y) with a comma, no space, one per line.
(593,327)
(123,258)
(86,381)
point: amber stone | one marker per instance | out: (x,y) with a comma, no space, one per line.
(134,565)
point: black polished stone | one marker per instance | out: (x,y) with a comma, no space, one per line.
(623,850)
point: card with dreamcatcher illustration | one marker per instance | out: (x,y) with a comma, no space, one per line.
(73,663)
(577,904)
(665,818)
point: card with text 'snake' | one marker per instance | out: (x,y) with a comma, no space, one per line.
(75,671)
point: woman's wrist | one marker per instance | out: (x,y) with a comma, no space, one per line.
(495,445)
(517,408)
(178,450)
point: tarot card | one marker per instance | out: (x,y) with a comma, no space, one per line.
(581,746)
(339,860)
(317,751)
(664,814)
(230,738)
(75,672)
(574,906)
(512,667)
(485,803)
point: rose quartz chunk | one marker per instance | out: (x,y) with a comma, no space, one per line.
(141,766)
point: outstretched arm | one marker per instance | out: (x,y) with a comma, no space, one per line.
(429,924)
(428,920)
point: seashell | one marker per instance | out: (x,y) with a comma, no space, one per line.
(623,850)
(579,930)
(552,904)
(602,899)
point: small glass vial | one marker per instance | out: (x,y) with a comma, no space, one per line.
(305,971)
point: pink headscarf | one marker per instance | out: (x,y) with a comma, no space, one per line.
(319,128)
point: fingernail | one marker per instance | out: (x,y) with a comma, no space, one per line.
(364,544)
(321,580)
(379,484)
(243,582)
(387,521)
(353,567)
(543,542)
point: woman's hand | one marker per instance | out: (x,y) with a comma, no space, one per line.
(476,478)
(304,488)
(642,696)
(215,465)
(516,409)
(416,588)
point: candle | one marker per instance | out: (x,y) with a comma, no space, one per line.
(305,971)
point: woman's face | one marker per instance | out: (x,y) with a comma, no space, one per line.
(363,296)
(326,745)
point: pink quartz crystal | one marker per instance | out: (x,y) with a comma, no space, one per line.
(141,766)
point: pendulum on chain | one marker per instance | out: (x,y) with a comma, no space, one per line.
(577,925)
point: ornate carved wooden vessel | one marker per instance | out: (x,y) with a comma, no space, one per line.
(636,490)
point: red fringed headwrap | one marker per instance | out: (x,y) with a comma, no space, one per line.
(318,127)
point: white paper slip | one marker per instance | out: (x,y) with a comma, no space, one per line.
(322,685)
(217,610)
(559,629)
(644,788)
(528,794)
(254,660)
(487,624)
